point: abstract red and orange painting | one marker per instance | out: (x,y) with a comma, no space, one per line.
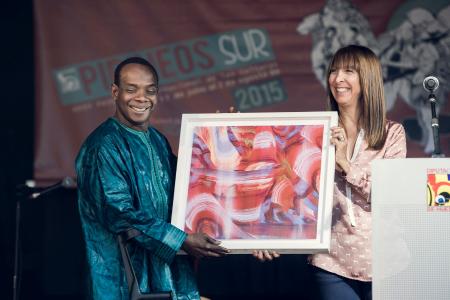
(255,181)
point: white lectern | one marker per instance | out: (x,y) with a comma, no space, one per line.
(411,240)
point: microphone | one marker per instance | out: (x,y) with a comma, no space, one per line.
(430,84)
(66,182)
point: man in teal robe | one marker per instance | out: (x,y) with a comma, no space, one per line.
(125,175)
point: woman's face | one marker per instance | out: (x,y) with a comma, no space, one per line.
(345,86)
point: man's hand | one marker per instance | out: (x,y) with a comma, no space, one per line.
(200,245)
(263,255)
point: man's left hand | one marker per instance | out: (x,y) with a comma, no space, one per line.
(201,245)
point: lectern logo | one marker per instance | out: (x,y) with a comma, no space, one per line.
(438,189)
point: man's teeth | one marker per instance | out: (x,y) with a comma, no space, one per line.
(140,109)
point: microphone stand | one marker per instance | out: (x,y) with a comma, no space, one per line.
(435,126)
(16,252)
(24,192)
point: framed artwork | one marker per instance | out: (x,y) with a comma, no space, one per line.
(257,180)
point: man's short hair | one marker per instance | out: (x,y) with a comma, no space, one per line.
(134,60)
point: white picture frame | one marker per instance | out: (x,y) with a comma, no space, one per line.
(257,180)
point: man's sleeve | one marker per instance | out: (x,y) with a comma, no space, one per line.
(119,214)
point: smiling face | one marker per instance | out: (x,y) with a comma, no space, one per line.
(345,86)
(355,83)
(135,96)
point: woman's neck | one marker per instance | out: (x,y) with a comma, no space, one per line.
(349,115)
(349,119)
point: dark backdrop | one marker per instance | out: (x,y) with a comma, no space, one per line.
(16,127)
(53,260)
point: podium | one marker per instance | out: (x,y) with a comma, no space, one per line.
(411,239)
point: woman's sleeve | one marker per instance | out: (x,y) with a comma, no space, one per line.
(397,142)
(359,177)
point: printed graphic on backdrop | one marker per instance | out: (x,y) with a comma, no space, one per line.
(258,58)
(337,24)
(229,60)
(416,47)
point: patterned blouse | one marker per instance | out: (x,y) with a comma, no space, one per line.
(350,249)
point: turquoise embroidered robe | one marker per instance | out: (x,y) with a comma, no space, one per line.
(125,180)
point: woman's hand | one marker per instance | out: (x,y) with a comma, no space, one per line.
(263,255)
(339,140)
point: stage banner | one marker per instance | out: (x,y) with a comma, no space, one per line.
(258,56)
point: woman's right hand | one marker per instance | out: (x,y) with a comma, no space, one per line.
(339,140)
(264,255)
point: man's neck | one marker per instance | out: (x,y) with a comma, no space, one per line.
(137,127)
